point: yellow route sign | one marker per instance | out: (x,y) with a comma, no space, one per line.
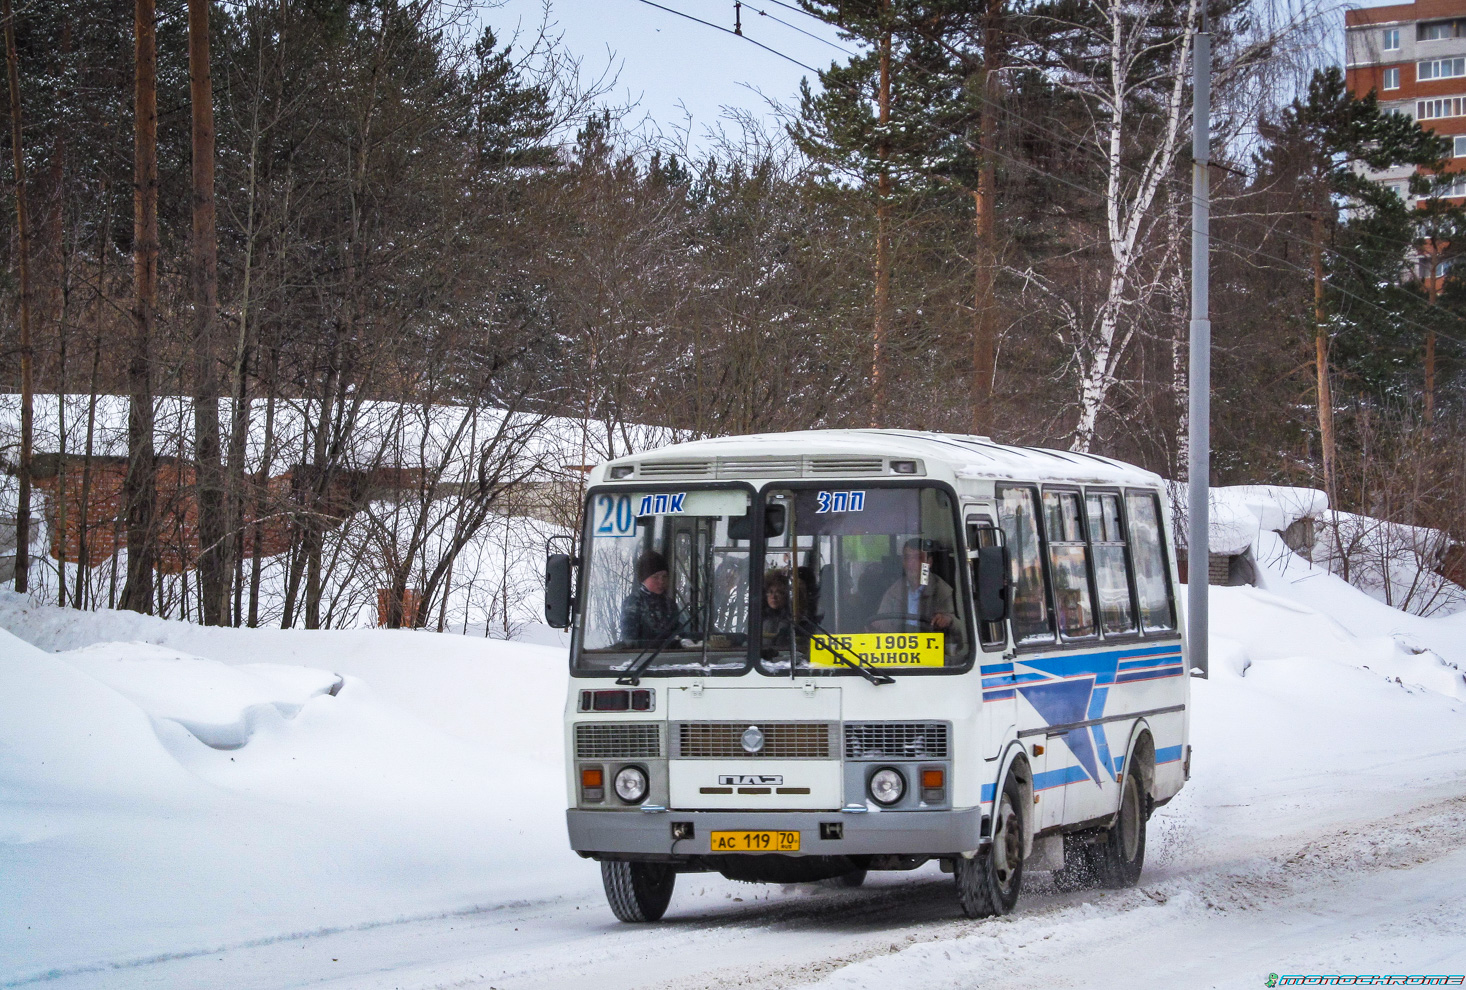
(918,649)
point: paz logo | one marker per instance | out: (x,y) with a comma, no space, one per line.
(1272,980)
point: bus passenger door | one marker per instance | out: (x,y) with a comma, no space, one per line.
(999,707)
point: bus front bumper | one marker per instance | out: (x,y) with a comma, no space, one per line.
(879,833)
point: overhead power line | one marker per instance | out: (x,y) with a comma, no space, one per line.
(719,27)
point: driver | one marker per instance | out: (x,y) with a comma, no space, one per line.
(920,599)
(647,615)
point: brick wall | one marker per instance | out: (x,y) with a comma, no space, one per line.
(267,510)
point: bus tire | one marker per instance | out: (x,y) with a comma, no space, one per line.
(637,891)
(1118,859)
(855,878)
(988,883)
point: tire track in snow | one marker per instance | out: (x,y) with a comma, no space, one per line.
(1254,886)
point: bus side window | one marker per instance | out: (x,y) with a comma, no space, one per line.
(1111,563)
(980,533)
(1068,563)
(1018,515)
(1152,576)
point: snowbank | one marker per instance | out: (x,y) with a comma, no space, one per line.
(210,788)
(1239,515)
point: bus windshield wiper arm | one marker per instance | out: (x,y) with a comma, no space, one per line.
(850,658)
(632,674)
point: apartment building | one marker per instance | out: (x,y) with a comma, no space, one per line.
(1413,55)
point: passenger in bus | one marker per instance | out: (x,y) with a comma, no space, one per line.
(920,600)
(647,615)
(776,614)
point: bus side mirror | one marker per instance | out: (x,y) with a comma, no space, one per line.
(992,583)
(557,590)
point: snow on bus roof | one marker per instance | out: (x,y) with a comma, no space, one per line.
(968,457)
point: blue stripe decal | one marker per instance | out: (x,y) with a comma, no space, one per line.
(997,695)
(1151,661)
(1119,765)
(1149,675)
(1102,666)
(1058,778)
(988,790)
(1168,754)
(996,668)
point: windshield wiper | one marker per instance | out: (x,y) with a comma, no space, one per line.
(632,675)
(859,664)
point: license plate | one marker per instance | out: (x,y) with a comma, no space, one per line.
(755,842)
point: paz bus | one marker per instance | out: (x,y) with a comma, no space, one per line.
(804,656)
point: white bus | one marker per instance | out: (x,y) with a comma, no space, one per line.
(805,656)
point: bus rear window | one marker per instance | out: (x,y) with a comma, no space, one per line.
(1018,515)
(1152,575)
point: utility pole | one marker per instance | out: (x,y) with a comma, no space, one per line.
(1199,452)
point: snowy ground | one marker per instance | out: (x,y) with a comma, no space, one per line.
(184,807)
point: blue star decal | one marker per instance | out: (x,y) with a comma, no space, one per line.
(1063,702)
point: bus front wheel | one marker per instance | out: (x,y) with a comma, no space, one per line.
(988,883)
(638,891)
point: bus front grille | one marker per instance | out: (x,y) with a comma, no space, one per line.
(781,740)
(617,741)
(895,740)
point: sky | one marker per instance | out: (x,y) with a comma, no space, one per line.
(673,68)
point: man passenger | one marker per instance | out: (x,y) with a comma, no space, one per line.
(920,600)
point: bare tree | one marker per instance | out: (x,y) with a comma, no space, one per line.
(213,560)
(22,227)
(141,487)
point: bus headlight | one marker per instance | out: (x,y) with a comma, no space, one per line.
(887,786)
(630,784)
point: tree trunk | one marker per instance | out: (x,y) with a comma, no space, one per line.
(259,495)
(214,565)
(83,554)
(22,227)
(1433,292)
(883,237)
(141,487)
(1321,364)
(984,328)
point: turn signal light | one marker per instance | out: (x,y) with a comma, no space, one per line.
(592,785)
(933,785)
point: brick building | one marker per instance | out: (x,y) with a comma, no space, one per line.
(90,495)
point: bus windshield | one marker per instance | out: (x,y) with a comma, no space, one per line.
(666,575)
(863,575)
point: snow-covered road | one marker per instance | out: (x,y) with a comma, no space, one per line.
(1379,895)
(406,831)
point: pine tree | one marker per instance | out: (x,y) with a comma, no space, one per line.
(1322,144)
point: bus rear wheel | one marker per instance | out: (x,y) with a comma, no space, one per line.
(1119,857)
(988,883)
(638,891)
